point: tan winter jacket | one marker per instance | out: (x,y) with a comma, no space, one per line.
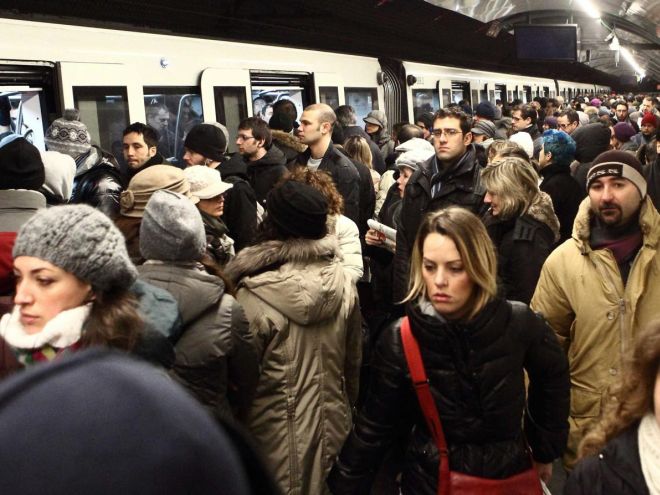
(581,295)
(302,309)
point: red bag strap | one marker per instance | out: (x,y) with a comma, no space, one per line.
(426,402)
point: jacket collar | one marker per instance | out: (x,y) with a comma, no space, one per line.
(555,169)
(649,222)
(261,257)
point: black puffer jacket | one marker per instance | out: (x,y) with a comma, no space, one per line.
(523,243)
(264,173)
(475,371)
(566,196)
(345,176)
(616,470)
(240,214)
(460,186)
(98,181)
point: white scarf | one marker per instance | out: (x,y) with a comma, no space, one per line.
(648,436)
(63,330)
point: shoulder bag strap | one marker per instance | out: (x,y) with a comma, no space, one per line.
(426,402)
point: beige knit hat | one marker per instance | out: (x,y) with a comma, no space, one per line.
(134,199)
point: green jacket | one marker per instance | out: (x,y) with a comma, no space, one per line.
(582,296)
(303,313)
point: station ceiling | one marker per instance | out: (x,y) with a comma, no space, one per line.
(636,25)
(442,32)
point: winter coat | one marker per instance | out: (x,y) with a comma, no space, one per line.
(475,372)
(460,186)
(384,186)
(537,139)
(652,174)
(367,197)
(523,243)
(265,172)
(303,314)
(581,295)
(566,195)
(215,357)
(289,145)
(616,470)
(16,208)
(219,246)
(157,159)
(349,244)
(130,228)
(345,176)
(377,160)
(240,215)
(98,181)
(647,152)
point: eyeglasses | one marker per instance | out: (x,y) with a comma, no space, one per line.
(243,137)
(450,133)
(563,126)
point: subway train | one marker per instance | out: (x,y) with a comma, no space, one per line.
(114,77)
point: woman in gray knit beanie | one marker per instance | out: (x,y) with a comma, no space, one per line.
(73,276)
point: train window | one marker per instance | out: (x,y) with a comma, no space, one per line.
(460,90)
(263,99)
(104,110)
(527,94)
(173,111)
(425,101)
(483,96)
(230,109)
(363,101)
(446,97)
(329,95)
(475,98)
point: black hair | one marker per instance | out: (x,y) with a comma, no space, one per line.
(149,134)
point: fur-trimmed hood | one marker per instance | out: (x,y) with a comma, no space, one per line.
(542,210)
(302,278)
(288,140)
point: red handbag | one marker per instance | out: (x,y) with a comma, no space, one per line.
(452,482)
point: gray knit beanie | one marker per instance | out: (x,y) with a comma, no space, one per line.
(171,229)
(80,240)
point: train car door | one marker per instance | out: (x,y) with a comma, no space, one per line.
(225,97)
(501,93)
(108,98)
(28,94)
(460,90)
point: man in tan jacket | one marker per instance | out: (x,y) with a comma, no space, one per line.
(599,288)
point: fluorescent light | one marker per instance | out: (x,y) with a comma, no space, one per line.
(631,60)
(589,7)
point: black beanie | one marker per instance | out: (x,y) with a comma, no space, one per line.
(298,210)
(281,122)
(207,140)
(20,164)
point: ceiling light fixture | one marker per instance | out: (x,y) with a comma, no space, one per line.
(590,8)
(631,60)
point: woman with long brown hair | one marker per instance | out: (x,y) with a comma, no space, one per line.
(73,276)
(621,454)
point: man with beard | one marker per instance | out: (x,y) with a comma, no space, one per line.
(601,287)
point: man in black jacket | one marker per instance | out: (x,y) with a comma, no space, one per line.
(555,160)
(451,177)
(524,119)
(315,131)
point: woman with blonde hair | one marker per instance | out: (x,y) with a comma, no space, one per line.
(357,149)
(622,453)
(521,223)
(474,347)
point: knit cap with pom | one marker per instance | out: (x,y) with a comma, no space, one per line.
(68,135)
(80,240)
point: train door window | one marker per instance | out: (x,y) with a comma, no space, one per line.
(474,98)
(329,95)
(483,96)
(509,95)
(527,94)
(363,100)
(25,113)
(230,109)
(271,87)
(460,90)
(500,93)
(425,101)
(173,111)
(104,110)
(446,97)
